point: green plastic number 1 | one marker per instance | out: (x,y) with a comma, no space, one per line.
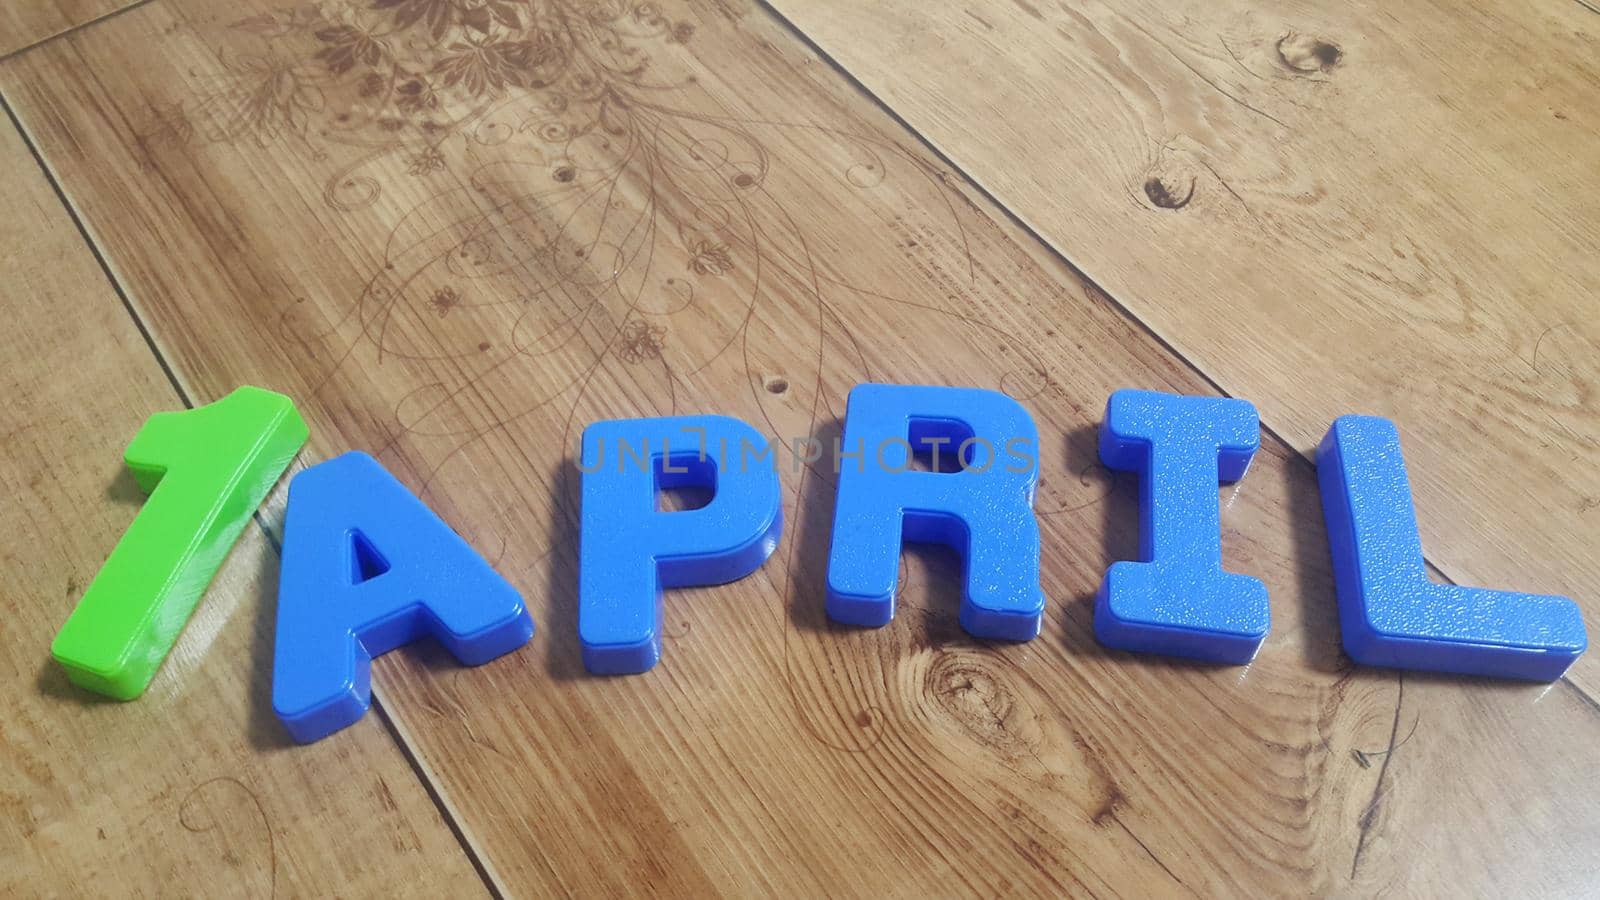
(206,470)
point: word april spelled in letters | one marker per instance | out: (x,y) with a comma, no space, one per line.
(368,567)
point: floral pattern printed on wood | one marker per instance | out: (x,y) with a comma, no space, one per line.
(588,206)
(581,221)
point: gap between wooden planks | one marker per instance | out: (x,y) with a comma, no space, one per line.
(1373,208)
(742,232)
(193,787)
(24,23)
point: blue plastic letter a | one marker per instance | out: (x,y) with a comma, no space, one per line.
(368,567)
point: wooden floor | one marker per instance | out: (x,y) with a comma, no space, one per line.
(457,231)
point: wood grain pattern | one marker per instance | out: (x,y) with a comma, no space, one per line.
(457,242)
(1372,207)
(191,790)
(26,22)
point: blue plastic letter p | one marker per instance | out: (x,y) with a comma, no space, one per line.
(629,549)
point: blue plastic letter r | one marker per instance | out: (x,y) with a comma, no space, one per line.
(629,550)
(1390,612)
(1177,600)
(367,567)
(982,506)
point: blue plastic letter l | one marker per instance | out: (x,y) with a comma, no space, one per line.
(629,550)
(983,509)
(1390,612)
(367,567)
(1177,600)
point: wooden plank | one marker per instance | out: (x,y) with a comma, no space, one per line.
(27,22)
(1368,207)
(190,790)
(624,212)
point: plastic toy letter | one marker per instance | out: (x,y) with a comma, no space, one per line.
(629,550)
(1390,612)
(982,506)
(206,470)
(367,567)
(1177,600)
